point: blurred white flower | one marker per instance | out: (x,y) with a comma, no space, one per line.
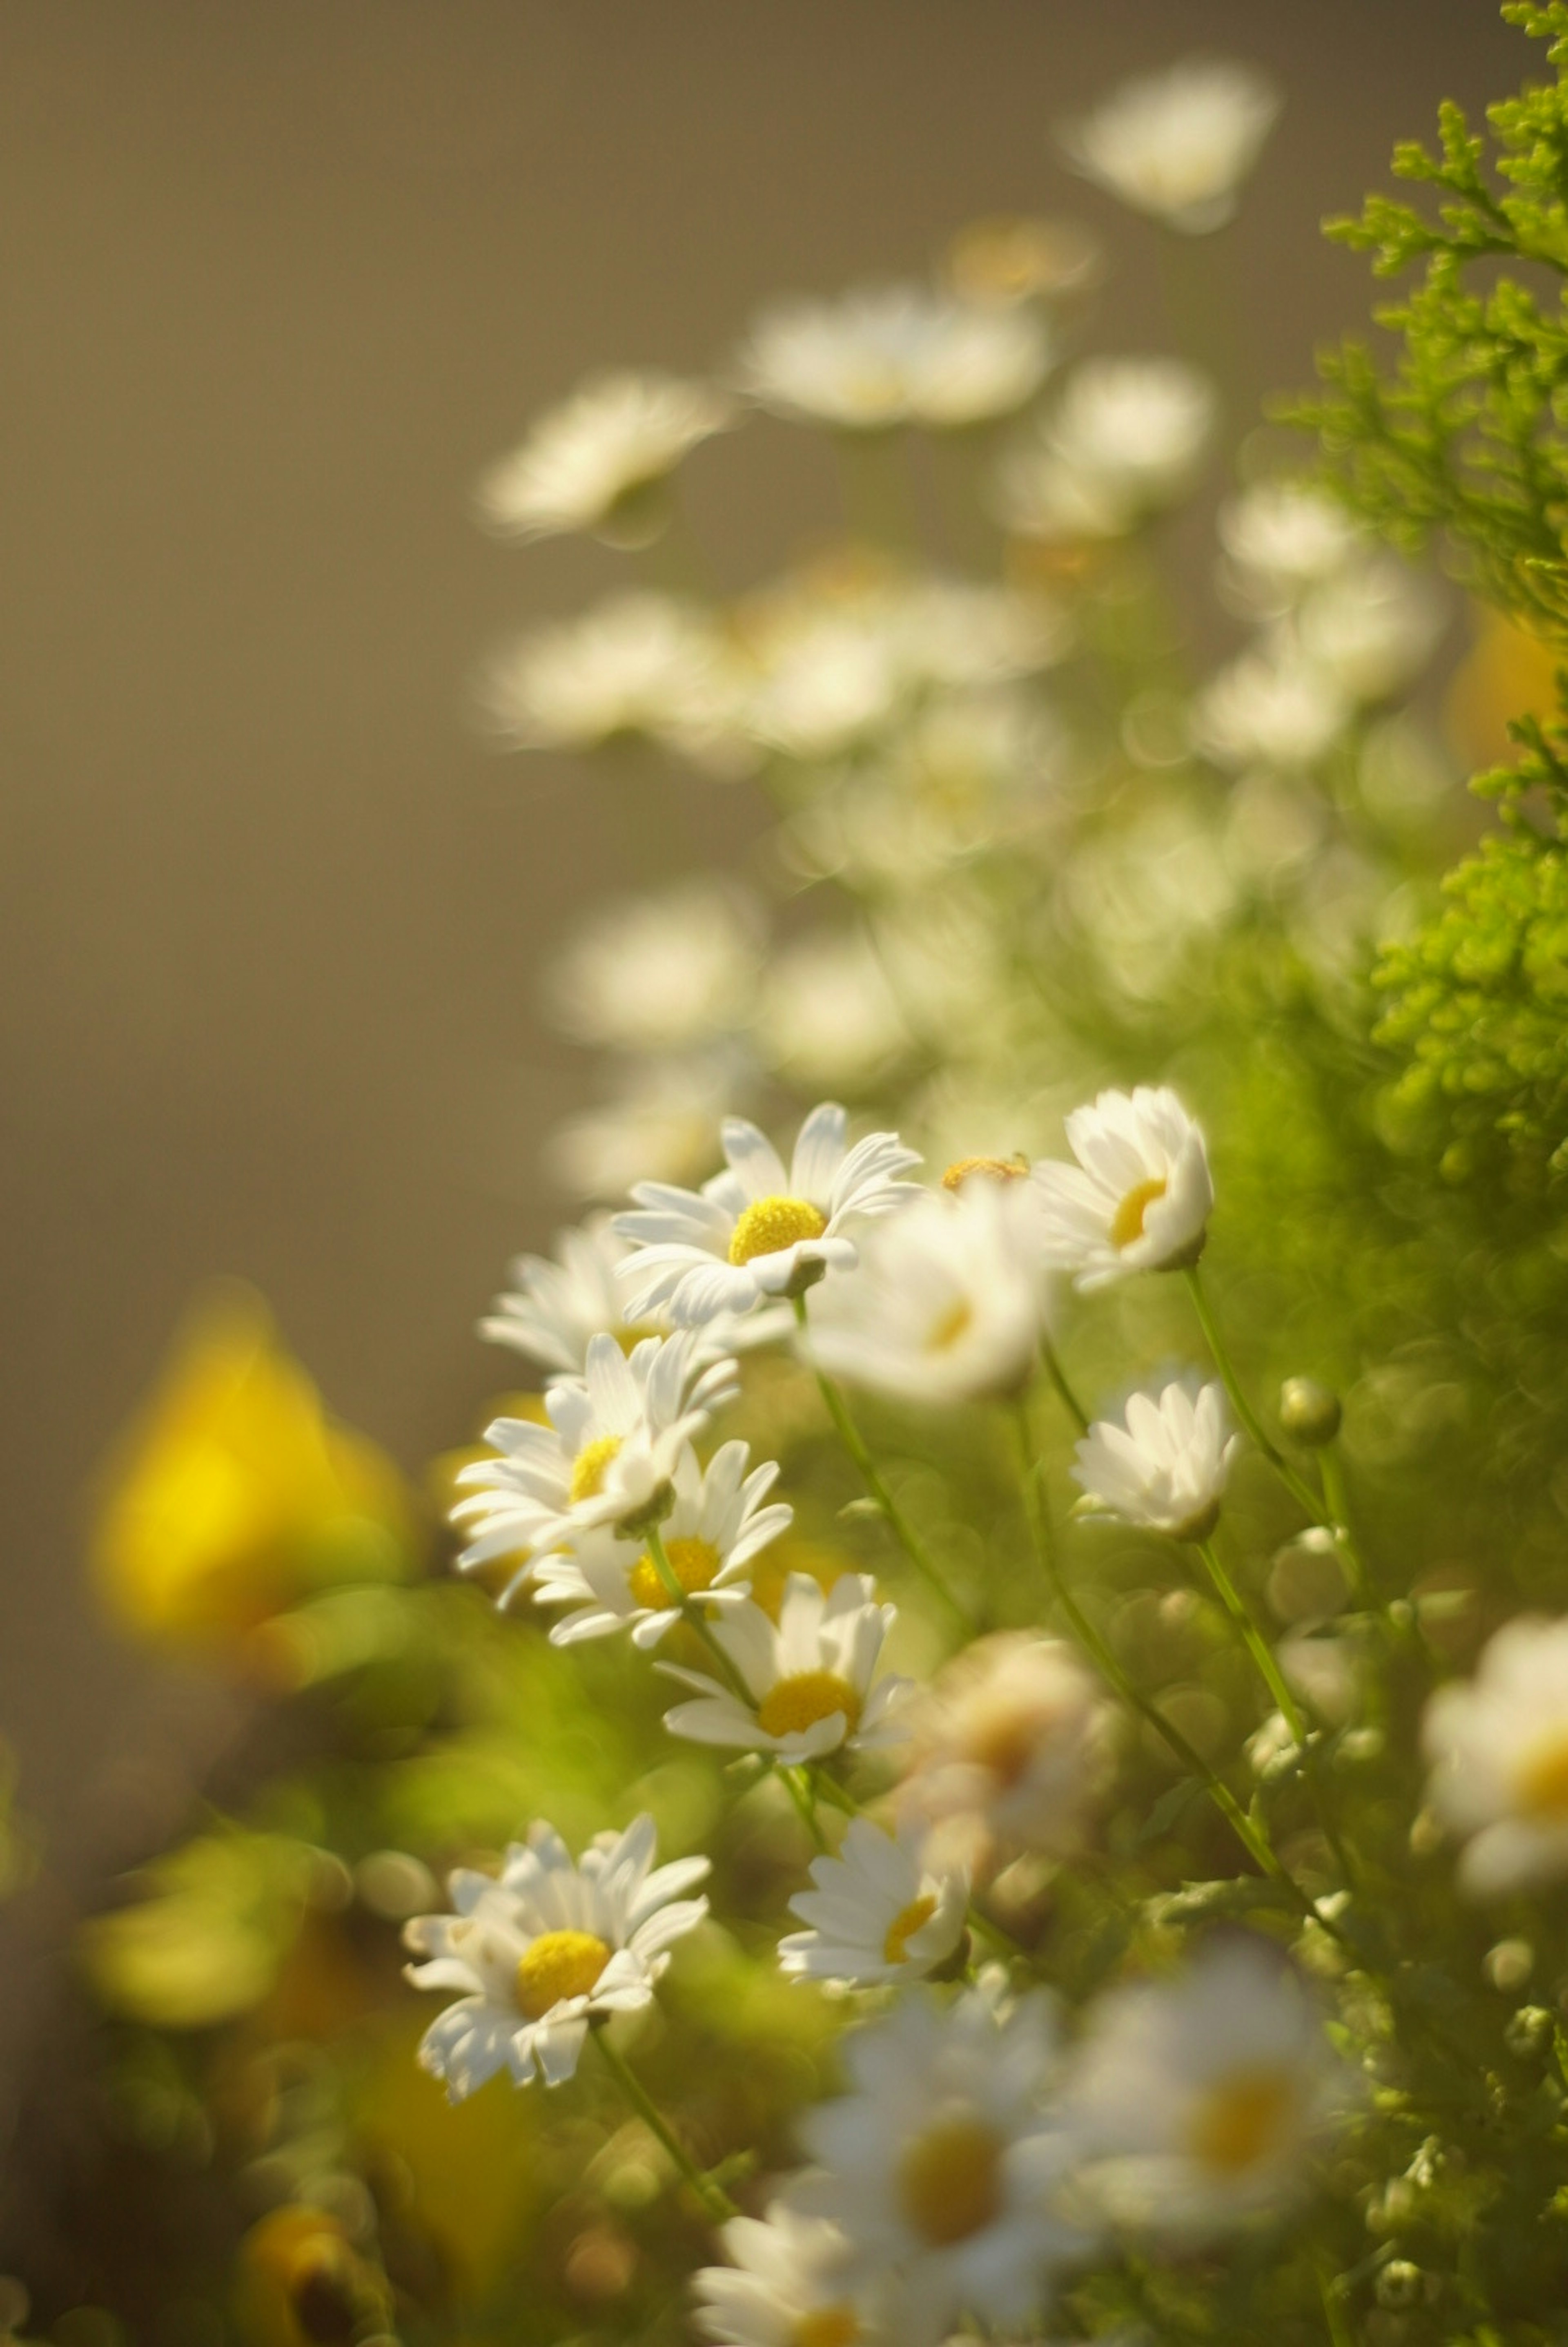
(1140,1195)
(943,2161)
(546,1949)
(829,1015)
(890,354)
(635,664)
(1282,536)
(606,1456)
(1371,628)
(783,2287)
(1008,1747)
(811,1678)
(1167,1466)
(1199,2100)
(878,1912)
(716,1525)
(1178,145)
(585,463)
(1498,1748)
(947,1302)
(1142,892)
(1007,260)
(754,1230)
(1125,438)
(658,973)
(1271,710)
(661,1121)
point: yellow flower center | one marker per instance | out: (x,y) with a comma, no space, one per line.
(693,1563)
(589,1467)
(826,2326)
(905,1924)
(770,1225)
(1006,1741)
(950,2181)
(1242,2119)
(1127,1221)
(801,1700)
(1542,1781)
(945,1333)
(554,1965)
(992,1169)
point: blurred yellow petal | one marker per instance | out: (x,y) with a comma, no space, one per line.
(1508,673)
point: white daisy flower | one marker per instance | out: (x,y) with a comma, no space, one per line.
(606,1460)
(755,1230)
(1008,259)
(809,1677)
(948,1301)
(1008,1747)
(1139,1198)
(1167,1466)
(1197,2100)
(1178,145)
(891,354)
(878,1912)
(1270,709)
(783,2285)
(943,2163)
(1282,536)
(635,664)
(545,1949)
(1499,1750)
(659,973)
(1125,439)
(716,1525)
(586,462)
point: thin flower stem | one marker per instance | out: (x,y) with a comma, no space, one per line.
(1333,1471)
(1297,1485)
(805,1802)
(1253,1639)
(898,1523)
(695,1618)
(1058,1377)
(715,2201)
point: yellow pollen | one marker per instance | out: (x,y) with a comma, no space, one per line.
(950,2181)
(1006,1741)
(693,1563)
(554,1965)
(826,2326)
(770,1225)
(588,1469)
(905,1925)
(954,1322)
(994,1169)
(1242,2119)
(1127,1221)
(1542,1782)
(803,1700)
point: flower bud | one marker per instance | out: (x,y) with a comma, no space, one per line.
(1308,1411)
(1529,2036)
(1399,2285)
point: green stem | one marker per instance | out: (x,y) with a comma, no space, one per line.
(1252,1638)
(716,2203)
(805,1804)
(1333,1471)
(1297,1485)
(898,1523)
(1058,1377)
(695,1618)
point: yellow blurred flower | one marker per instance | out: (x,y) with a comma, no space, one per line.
(301,2282)
(233,1495)
(1508,673)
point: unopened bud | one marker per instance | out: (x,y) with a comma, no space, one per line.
(1308,1411)
(1399,2284)
(1531,2032)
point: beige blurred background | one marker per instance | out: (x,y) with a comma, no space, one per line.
(278,280)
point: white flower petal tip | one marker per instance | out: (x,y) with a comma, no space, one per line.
(587,464)
(1178,145)
(1140,1195)
(546,1948)
(1165,1466)
(1498,1744)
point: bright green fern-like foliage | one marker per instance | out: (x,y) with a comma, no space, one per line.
(1465,445)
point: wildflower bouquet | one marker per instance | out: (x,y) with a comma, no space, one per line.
(1020,1777)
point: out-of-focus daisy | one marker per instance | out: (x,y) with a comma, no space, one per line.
(943,2163)
(755,1231)
(659,973)
(1007,1749)
(659,1120)
(1125,439)
(890,354)
(1178,145)
(948,1300)
(1001,261)
(1272,710)
(605,1459)
(1139,1198)
(1498,1748)
(1281,538)
(878,1912)
(715,1527)
(546,1948)
(1198,2099)
(1167,1466)
(635,664)
(783,2286)
(810,1678)
(586,463)
(1371,628)
(828,1014)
